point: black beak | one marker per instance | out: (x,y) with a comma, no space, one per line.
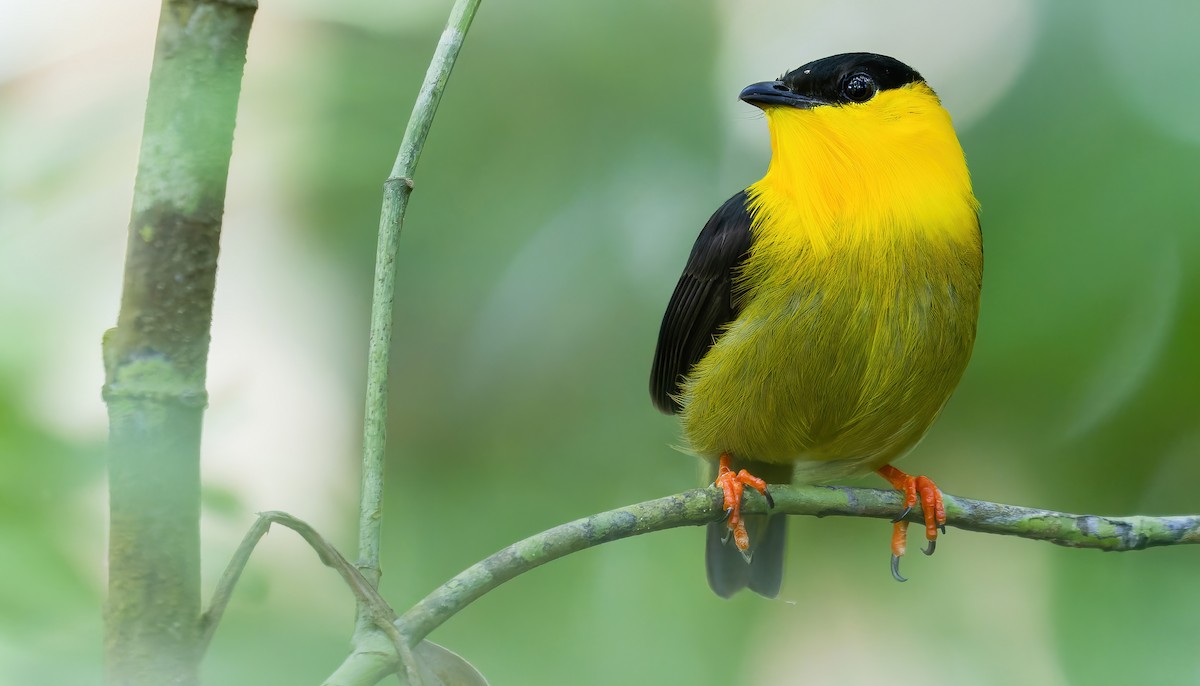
(775,93)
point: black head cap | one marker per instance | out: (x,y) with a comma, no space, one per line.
(846,79)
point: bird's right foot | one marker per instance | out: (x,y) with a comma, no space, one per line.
(733,484)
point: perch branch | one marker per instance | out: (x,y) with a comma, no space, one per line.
(701,506)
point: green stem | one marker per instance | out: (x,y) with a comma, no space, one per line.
(702,506)
(396,191)
(374,649)
(155,359)
(233,571)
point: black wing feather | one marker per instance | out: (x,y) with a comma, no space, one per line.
(703,301)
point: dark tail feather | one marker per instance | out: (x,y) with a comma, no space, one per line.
(766,569)
(728,569)
(728,572)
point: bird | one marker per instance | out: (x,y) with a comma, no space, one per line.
(826,312)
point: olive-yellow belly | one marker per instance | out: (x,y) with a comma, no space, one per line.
(841,364)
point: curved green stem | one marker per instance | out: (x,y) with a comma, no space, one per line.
(702,506)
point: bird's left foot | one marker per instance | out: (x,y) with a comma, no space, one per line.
(914,487)
(732,484)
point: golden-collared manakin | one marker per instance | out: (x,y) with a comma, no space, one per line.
(827,311)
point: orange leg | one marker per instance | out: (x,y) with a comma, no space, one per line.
(733,485)
(914,488)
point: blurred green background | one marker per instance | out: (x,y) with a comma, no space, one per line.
(579,148)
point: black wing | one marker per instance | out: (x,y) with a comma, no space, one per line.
(703,300)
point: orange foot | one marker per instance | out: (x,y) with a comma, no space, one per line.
(931,507)
(732,485)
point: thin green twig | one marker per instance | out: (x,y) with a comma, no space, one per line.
(367,596)
(701,506)
(376,654)
(229,578)
(396,191)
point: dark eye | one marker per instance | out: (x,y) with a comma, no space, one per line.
(859,88)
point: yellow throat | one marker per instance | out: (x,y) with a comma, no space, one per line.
(875,171)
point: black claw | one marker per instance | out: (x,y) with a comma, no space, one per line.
(942,527)
(770,500)
(896,569)
(904,514)
(725,538)
(928,550)
(728,512)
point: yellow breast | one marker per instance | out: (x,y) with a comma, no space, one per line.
(859,296)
